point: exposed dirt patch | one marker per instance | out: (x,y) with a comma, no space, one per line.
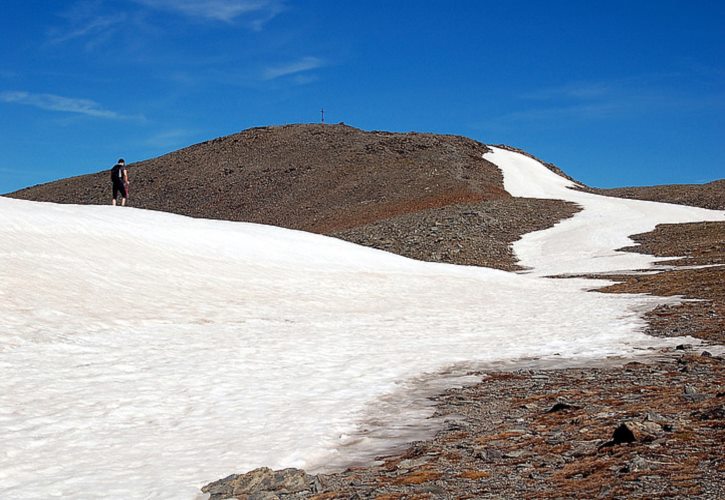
(511,445)
(704,319)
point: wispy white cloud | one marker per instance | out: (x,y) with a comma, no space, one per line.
(292,68)
(95,26)
(51,102)
(91,22)
(220,10)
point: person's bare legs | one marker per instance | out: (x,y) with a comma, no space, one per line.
(123,202)
(113,202)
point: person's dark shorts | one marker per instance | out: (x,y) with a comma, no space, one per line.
(119,187)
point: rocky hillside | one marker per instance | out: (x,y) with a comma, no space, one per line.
(310,177)
(710,195)
(426,196)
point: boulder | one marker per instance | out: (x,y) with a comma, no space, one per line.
(631,431)
(262,483)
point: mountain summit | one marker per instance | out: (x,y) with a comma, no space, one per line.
(426,196)
(317,178)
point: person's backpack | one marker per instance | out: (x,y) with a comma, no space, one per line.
(117,172)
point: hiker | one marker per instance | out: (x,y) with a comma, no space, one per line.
(119,177)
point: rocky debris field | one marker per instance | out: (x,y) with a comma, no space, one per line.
(478,234)
(650,428)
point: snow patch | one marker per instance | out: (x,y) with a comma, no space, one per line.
(588,241)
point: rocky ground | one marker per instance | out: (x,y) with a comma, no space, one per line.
(477,234)
(710,195)
(650,428)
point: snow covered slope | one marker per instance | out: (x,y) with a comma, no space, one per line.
(586,242)
(143,354)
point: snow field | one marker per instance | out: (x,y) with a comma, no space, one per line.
(587,242)
(144,354)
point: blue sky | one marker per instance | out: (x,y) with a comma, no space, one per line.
(616,92)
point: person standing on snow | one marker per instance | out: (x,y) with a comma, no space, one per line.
(119,178)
